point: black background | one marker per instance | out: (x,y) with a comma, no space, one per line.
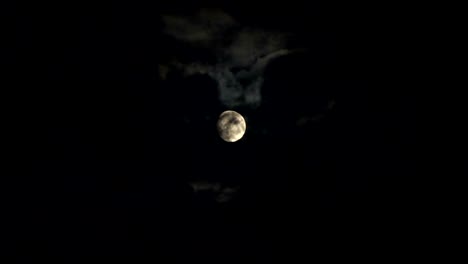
(107,155)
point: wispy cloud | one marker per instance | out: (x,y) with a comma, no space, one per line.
(242,53)
(204,28)
(221,193)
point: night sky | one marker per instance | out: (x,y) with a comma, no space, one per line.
(122,162)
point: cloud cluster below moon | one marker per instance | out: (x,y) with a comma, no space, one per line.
(219,191)
(241,53)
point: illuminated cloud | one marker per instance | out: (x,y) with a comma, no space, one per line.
(242,53)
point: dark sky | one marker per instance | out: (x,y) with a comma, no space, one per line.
(122,164)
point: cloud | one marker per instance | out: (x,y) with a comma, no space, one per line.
(221,194)
(242,53)
(207,26)
(163,71)
(205,186)
(250,44)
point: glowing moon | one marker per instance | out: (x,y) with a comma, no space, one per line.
(231,126)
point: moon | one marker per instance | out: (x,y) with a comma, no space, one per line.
(231,126)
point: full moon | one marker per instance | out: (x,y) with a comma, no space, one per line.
(231,126)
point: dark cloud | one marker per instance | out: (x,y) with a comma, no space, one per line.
(203,29)
(242,53)
(220,193)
